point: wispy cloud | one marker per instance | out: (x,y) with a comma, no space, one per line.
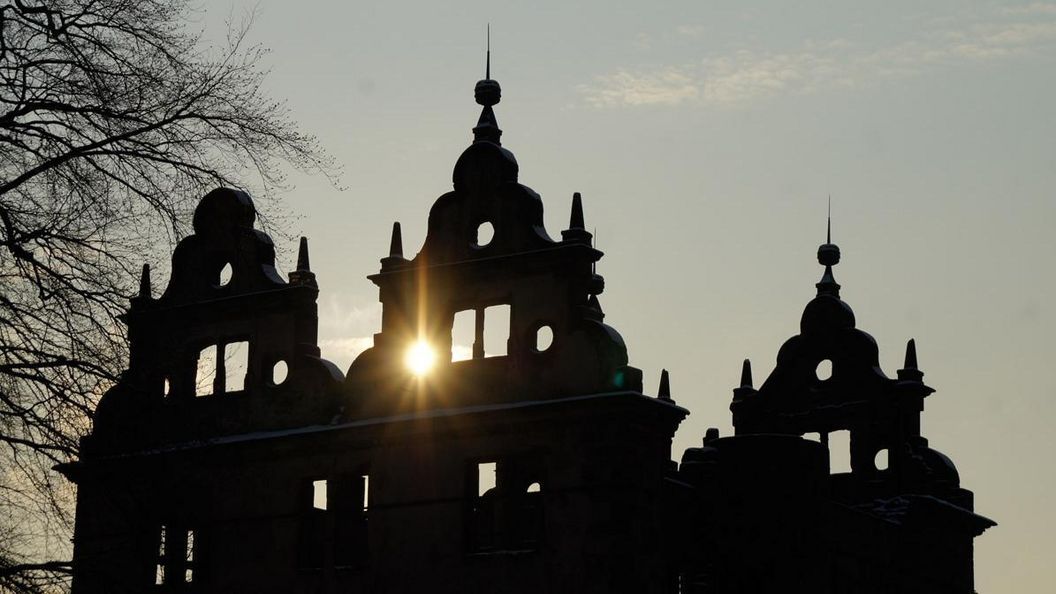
(1034,8)
(669,86)
(743,76)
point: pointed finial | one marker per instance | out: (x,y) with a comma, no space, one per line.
(746,374)
(487,93)
(577,231)
(664,391)
(302,256)
(396,243)
(910,372)
(576,220)
(828,256)
(745,389)
(144,282)
(303,274)
(828,223)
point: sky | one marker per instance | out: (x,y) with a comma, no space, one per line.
(705,138)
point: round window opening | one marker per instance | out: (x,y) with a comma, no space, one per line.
(485,233)
(279,372)
(544,338)
(880,461)
(824,370)
(225,275)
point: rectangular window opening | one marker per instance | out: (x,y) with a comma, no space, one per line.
(485,477)
(839,451)
(236,366)
(496,330)
(463,335)
(159,566)
(188,572)
(319,494)
(366,492)
(205,376)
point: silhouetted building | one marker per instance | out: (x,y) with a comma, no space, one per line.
(232,458)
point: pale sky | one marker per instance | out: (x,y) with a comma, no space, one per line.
(705,137)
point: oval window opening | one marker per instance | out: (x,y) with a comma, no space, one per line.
(824,370)
(534,488)
(279,372)
(166,387)
(881,460)
(544,338)
(485,233)
(225,275)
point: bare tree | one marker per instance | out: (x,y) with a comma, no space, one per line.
(114,119)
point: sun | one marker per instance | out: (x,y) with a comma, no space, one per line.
(420,358)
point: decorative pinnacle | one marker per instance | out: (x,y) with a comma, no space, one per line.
(711,434)
(302,256)
(576,231)
(745,389)
(487,93)
(664,391)
(576,220)
(828,256)
(909,371)
(911,354)
(144,282)
(746,374)
(303,274)
(396,243)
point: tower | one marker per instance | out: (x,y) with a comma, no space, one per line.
(774,514)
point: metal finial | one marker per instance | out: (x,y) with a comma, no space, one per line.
(828,256)
(828,223)
(487,62)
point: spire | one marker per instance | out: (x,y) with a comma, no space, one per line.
(745,389)
(828,256)
(664,391)
(396,243)
(144,283)
(487,93)
(302,256)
